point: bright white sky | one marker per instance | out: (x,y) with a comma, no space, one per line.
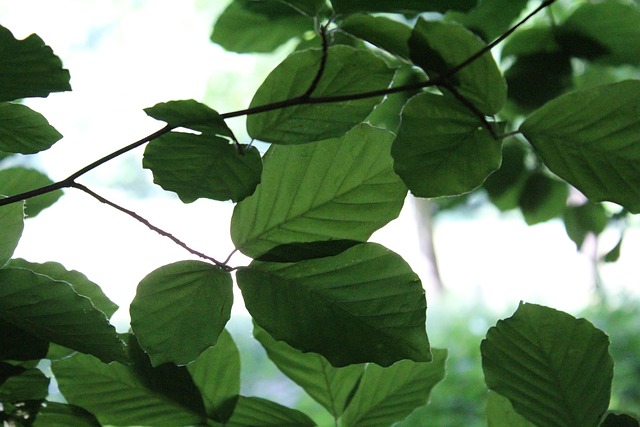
(127,55)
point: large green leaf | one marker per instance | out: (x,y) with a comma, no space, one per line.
(438,46)
(386,33)
(80,283)
(386,395)
(542,198)
(505,185)
(29,68)
(363,305)
(331,387)
(18,344)
(555,369)
(11,226)
(335,189)
(591,139)
(60,414)
(348,71)
(117,394)
(441,148)
(51,310)
(180,309)
(31,384)
(400,6)
(216,373)
(500,413)
(490,18)
(190,114)
(18,180)
(207,166)
(257,412)
(259,26)
(25,131)
(613,27)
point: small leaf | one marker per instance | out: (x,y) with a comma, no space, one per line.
(505,185)
(180,309)
(348,71)
(490,18)
(257,412)
(11,226)
(555,369)
(591,139)
(331,387)
(542,198)
(190,114)
(80,283)
(500,413)
(581,220)
(51,310)
(60,414)
(248,26)
(18,344)
(116,395)
(387,34)
(400,6)
(31,384)
(29,68)
(614,254)
(18,180)
(441,148)
(620,420)
(368,305)
(338,189)
(438,46)
(387,395)
(22,130)
(216,373)
(202,166)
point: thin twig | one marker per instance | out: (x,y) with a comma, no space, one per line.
(148,224)
(323,63)
(471,107)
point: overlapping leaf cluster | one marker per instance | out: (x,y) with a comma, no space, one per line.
(385,99)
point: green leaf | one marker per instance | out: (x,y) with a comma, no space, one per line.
(180,309)
(500,413)
(257,412)
(116,394)
(368,305)
(613,26)
(78,281)
(555,369)
(441,148)
(386,395)
(206,166)
(591,139)
(31,384)
(348,71)
(309,7)
(18,180)
(7,370)
(338,189)
(505,185)
(259,26)
(18,344)
(60,414)
(51,310)
(387,34)
(542,198)
(620,420)
(331,387)
(216,373)
(190,114)
(438,46)
(490,18)
(25,131)
(11,226)
(614,254)
(29,68)
(400,6)
(581,220)
(530,41)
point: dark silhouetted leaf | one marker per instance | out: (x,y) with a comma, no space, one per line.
(60,414)
(490,18)
(257,412)
(400,6)
(581,220)
(294,252)
(505,185)
(11,226)
(542,198)
(619,420)
(18,344)
(25,131)
(190,114)
(387,34)
(31,384)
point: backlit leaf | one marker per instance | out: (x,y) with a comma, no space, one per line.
(500,413)
(387,395)
(190,114)
(258,412)
(591,139)
(400,6)
(202,166)
(18,180)
(555,369)
(437,46)
(490,18)
(348,71)
(31,384)
(18,344)
(51,310)
(11,226)
(441,148)
(25,131)
(29,68)
(581,220)
(180,309)
(337,189)
(331,387)
(60,414)
(387,34)
(363,305)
